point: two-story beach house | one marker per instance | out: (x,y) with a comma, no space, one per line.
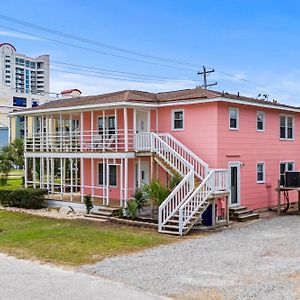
(108,145)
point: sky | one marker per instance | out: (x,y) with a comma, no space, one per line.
(253,45)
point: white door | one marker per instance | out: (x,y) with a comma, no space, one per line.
(142,174)
(142,121)
(234,183)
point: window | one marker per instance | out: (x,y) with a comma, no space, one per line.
(260,121)
(260,172)
(110,125)
(112,175)
(177,120)
(35,103)
(285,166)
(287,127)
(233,118)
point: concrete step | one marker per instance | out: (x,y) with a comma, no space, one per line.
(236,208)
(241,213)
(170,232)
(95,216)
(173,227)
(245,217)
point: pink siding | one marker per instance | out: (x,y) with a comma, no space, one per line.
(250,146)
(200,129)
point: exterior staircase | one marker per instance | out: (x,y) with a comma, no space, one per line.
(103,212)
(185,205)
(242,214)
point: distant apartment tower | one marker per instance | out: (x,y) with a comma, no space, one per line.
(24,82)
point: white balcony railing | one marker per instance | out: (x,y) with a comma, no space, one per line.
(75,141)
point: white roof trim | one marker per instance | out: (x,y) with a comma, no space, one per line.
(154,105)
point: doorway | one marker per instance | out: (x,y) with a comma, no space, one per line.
(234,183)
(142,121)
(142,174)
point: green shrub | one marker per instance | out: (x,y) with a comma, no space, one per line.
(23,198)
(132,209)
(88,203)
(141,199)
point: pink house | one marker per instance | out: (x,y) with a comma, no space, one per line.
(109,145)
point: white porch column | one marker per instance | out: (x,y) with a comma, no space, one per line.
(126,128)
(81,178)
(116,130)
(107,182)
(70,132)
(71,179)
(139,172)
(48,172)
(92,130)
(25,132)
(26,172)
(34,172)
(33,134)
(42,170)
(61,178)
(126,180)
(47,133)
(93,178)
(81,130)
(61,129)
(52,175)
(121,184)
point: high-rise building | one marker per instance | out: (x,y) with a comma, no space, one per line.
(24,82)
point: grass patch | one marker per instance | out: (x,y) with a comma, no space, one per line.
(70,242)
(13,183)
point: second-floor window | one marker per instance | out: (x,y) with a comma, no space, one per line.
(233,118)
(286,127)
(177,119)
(260,121)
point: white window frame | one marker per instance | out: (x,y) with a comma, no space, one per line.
(237,118)
(264,172)
(286,127)
(173,119)
(286,162)
(105,168)
(263,120)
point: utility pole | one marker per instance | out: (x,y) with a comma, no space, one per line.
(205,73)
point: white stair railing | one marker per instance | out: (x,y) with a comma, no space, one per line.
(200,167)
(150,141)
(216,180)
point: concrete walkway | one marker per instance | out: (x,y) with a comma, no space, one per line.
(24,280)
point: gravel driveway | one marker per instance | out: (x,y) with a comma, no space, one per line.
(260,260)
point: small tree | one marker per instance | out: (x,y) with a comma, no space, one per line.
(88,203)
(6,164)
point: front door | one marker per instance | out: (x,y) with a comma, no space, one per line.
(142,121)
(234,169)
(142,174)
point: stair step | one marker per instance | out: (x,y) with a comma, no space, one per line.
(95,216)
(237,208)
(247,217)
(102,213)
(241,213)
(169,232)
(173,227)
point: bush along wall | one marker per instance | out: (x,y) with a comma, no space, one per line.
(23,198)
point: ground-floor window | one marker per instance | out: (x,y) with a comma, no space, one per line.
(260,172)
(285,166)
(102,174)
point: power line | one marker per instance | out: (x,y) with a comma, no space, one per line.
(95,50)
(101,44)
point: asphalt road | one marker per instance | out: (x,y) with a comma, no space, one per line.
(24,280)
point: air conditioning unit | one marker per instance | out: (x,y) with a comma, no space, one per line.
(292,179)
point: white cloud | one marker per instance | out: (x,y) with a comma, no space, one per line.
(18,35)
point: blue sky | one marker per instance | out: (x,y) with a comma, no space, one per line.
(254,40)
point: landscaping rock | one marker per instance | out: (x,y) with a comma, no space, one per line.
(66,210)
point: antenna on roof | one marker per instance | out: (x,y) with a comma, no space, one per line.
(205,73)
